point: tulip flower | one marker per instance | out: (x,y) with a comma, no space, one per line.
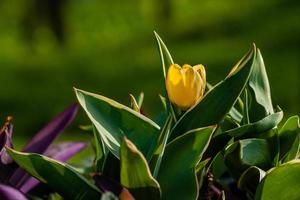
(185,85)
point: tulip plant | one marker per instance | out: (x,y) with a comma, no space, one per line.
(223,141)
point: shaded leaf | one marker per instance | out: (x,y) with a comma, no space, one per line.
(218,166)
(113,121)
(281,183)
(161,144)
(59,176)
(177,175)
(288,134)
(294,151)
(256,128)
(250,179)
(243,154)
(107,184)
(140,183)
(100,151)
(260,86)
(217,102)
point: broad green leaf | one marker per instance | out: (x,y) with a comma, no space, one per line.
(256,128)
(113,121)
(250,179)
(282,183)
(288,134)
(218,101)
(233,113)
(177,174)
(260,86)
(135,173)
(243,154)
(59,176)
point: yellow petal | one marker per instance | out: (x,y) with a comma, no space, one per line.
(184,85)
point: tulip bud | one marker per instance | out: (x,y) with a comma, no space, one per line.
(185,85)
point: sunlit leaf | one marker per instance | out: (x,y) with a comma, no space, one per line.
(281,183)
(177,174)
(59,176)
(135,173)
(113,121)
(260,87)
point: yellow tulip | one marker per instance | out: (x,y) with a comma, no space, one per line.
(185,85)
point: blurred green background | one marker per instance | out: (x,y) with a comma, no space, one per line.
(108,47)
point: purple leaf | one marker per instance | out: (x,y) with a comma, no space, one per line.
(65,150)
(41,141)
(6,140)
(3,138)
(61,152)
(45,137)
(10,193)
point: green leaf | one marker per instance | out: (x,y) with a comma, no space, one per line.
(59,176)
(243,154)
(260,86)
(113,121)
(135,173)
(294,151)
(250,179)
(166,61)
(140,99)
(281,183)
(177,175)
(218,101)
(162,142)
(100,153)
(165,56)
(233,113)
(133,103)
(256,128)
(218,166)
(288,134)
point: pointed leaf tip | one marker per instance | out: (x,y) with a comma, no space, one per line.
(40,142)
